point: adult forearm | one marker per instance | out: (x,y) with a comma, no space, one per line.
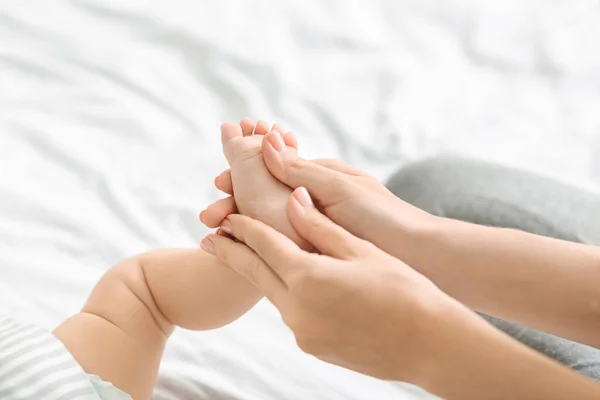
(469,359)
(545,283)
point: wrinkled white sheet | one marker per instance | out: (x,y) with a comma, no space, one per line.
(109,115)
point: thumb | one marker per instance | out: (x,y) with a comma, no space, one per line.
(326,185)
(329,238)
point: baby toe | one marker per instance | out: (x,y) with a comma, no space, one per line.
(262,128)
(229,131)
(247,125)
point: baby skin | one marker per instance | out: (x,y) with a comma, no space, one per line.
(122,329)
(256,193)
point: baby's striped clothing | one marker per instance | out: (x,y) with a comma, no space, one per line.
(34,364)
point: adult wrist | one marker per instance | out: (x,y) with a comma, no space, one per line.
(420,350)
(442,324)
(412,239)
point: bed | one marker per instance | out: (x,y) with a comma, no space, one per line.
(109,116)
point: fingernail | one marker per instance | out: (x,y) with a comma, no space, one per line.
(302,196)
(276,141)
(226,226)
(207,245)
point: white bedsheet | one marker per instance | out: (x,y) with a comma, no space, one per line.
(109,115)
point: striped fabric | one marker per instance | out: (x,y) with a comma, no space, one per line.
(34,364)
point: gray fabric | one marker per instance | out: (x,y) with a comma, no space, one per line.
(493,195)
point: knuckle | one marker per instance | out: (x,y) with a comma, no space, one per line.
(252,270)
(295,163)
(238,226)
(367,247)
(299,278)
(329,162)
(248,231)
(224,255)
(341,186)
(318,221)
(257,241)
(306,277)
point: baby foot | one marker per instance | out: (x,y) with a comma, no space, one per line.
(256,192)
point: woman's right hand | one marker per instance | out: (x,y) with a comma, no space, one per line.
(349,197)
(352,304)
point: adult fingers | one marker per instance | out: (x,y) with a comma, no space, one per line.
(223,182)
(218,211)
(277,250)
(328,237)
(326,185)
(277,127)
(290,139)
(247,263)
(339,166)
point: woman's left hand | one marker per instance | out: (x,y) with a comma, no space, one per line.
(352,305)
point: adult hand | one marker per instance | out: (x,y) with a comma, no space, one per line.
(358,307)
(349,197)
(352,305)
